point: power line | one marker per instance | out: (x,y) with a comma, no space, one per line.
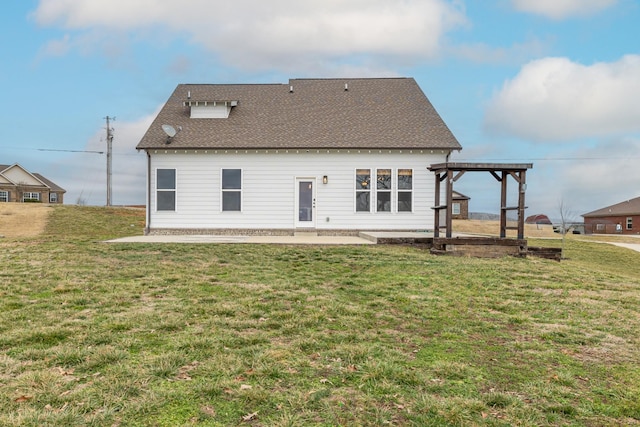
(70,151)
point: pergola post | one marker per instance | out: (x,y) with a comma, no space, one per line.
(436,211)
(449,208)
(522,187)
(503,205)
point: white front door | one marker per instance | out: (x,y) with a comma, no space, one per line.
(305,203)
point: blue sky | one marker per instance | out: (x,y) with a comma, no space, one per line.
(555,83)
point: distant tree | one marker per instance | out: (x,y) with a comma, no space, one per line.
(567,219)
(81,201)
(21,188)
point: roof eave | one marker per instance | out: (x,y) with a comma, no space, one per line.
(409,148)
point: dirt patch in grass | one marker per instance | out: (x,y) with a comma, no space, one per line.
(23,219)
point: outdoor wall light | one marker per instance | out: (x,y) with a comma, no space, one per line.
(325,179)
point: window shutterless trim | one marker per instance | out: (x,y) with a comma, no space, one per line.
(29,195)
(231,190)
(380,191)
(362,187)
(404,190)
(168,189)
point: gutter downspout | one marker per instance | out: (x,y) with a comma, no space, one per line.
(148,225)
(449,155)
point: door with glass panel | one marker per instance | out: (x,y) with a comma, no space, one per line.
(305,203)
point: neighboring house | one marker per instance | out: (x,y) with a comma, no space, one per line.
(19,185)
(621,218)
(332,156)
(460,206)
(538,219)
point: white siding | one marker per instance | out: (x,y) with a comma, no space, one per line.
(268,189)
(210,111)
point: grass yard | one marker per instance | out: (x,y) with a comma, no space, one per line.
(95,334)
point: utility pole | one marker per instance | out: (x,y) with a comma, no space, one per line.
(109,145)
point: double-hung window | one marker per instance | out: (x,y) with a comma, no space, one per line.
(231,189)
(30,197)
(4,196)
(53,197)
(383,190)
(387,195)
(629,223)
(166,189)
(405,190)
(363,190)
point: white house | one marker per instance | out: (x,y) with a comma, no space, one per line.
(332,156)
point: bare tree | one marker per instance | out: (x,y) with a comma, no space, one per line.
(81,201)
(567,220)
(21,188)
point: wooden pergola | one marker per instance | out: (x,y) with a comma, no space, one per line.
(451,172)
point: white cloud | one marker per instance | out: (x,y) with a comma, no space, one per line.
(555,99)
(84,175)
(607,173)
(272,34)
(560,9)
(57,47)
(482,53)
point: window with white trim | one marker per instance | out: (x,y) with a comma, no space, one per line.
(30,197)
(4,196)
(363,190)
(629,223)
(455,208)
(231,190)
(53,197)
(383,190)
(166,189)
(405,190)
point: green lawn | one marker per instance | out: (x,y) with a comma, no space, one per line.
(265,335)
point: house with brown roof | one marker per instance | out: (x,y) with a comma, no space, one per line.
(328,156)
(460,206)
(621,218)
(17,184)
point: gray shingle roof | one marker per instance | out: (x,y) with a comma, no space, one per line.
(459,196)
(389,113)
(628,207)
(52,185)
